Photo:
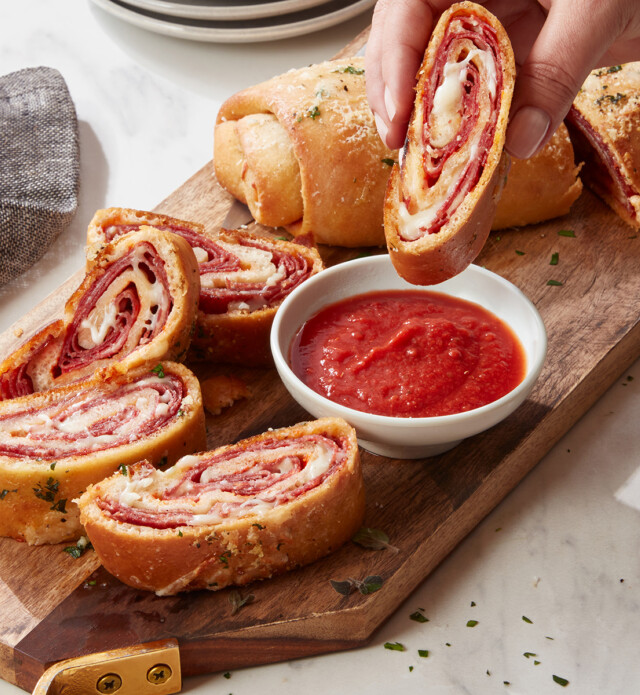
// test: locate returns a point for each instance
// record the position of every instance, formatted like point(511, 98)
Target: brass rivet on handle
point(160, 673)
point(109, 683)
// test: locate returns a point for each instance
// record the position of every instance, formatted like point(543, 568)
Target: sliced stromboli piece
point(239, 513)
point(441, 198)
point(244, 278)
point(303, 152)
point(54, 444)
point(604, 124)
point(136, 305)
point(541, 187)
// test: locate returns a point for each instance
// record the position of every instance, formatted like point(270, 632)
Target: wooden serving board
point(55, 607)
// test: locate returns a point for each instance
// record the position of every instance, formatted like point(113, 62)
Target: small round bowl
point(402, 437)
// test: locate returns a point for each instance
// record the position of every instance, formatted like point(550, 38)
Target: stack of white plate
point(234, 21)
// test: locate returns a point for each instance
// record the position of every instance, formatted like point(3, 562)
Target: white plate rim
point(270, 32)
point(225, 12)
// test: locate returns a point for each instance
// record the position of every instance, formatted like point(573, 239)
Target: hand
point(556, 44)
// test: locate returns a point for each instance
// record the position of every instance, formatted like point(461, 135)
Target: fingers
point(573, 39)
point(399, 34)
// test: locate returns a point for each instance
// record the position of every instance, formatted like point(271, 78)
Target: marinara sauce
point(408, 353)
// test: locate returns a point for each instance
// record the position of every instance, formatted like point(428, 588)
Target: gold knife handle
point(144, 669)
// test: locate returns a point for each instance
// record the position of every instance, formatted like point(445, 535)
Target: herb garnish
point(48, 492)
point(124, 469)
point(566, 232)
point(59, 506)
point(527, 620)
point(424, 653)
point(351, 70)
point(472, 623)
point(554, 283)
point(555, 257)
point(561, 681)
point(419, 617)
point(237, 600)
point(388, 161)
point(368, 585)
point(314, 112)
point(5, 492)
point(52, 465)
point(528, 655)
point(259, 526)
point(612, 98)
point(159, 371)
point(395, 646)
point(519, 253)
point(373, 539)
point(78, 550)
point(226, 675)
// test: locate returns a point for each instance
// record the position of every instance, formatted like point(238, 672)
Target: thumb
point(573, 38)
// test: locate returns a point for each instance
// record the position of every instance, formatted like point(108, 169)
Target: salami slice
point(442, 195)
point(136, 305)
point(54, 444)
point(233, 515)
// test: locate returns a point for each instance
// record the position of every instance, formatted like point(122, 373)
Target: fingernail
point(389, 103)
point(382, 128)
point(526, 131)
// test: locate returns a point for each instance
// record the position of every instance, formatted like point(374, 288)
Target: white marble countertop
point(562, 549)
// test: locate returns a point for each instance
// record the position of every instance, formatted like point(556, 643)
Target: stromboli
point(604, 124)
point(244, 278)
point(54, 444)
point(441, 198)
point(240, 513)
point(302, 150)
point(136, 305)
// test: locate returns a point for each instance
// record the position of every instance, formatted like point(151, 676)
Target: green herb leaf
point(419, 617)
point(410, 669)
point(260, 527)
point(554, 283)
point(614, 68)
point(395, 646)
point(472, 623)
point(124, 469)
point(59, 506)
point(528, 655)
point(48, 491)
point(473, 603)
point(159, 371)
point(554, 258)
point(527, 620)
point(237, 600)
point(351, 70)
point(226, 675)
point(536, 663)
point(314, 112)
point(370, 584)
point(373, 539)
point(388, 161)
point(561, 681)
point(78, 550)
point(566, 232)
point(5, 492)
point(519, 253)
point(52, 465)
point(424, 653)
point(344, 588)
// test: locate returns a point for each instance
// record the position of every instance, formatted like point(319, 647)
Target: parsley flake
point(561, 681)
point(395, 646)
point(555, 257)
point(314, 112)
point(419, 617)
point(472, 623)
point(424, 653)
point(351, 70)
point(567, 232)
point(388, 161)
point(374, 539)
point(554, 283)
point(527, 620)
point(159, 371)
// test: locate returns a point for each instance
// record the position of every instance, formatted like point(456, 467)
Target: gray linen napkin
point(39, 166)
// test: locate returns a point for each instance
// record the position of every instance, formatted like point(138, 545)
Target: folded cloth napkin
point(39, 166)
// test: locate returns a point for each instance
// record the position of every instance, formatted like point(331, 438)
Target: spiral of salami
point(233, 515)
point(441, 197)
point(54, 444)
point(244, 278)
point(136, 305)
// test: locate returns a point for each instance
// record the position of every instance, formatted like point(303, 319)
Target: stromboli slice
point(604, 124)
point(302, 150)
point(136, 305)
point(244, 278)
point(242, 512)
point(54, 444)
point(441, 198)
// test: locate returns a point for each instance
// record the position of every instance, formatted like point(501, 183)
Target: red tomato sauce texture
point(408, 353)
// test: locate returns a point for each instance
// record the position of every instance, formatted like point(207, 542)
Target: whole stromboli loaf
point(302, 150)
point(239, 513)
point(244, 278)
point(441, 198)
point(54, 444)
point(604, 123)
point(136, 305)
point(541, 187)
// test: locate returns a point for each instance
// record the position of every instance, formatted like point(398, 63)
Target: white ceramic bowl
point(401, 437)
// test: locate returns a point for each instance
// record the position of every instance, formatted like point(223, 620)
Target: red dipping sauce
point(408, 353)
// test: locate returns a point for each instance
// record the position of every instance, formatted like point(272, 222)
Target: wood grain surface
point(55, 607)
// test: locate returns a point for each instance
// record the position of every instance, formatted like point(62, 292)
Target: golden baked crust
point(238, 303)
point(136, 305)
point(604, 124)
point(216, 524)
point(54, 444)
point(437, 211)
point(541, 187)
point(302, 150)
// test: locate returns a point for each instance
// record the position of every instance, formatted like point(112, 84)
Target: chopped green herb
point(528, 655)
point(78, 550)
point(488, 672)
point(159, 371)
point(373, 539)
point(226, 675)
point(566, 232)
point(179, 533)
point(507, 682)
point(388, 161)
point(124, 469)
point(614, 68)
point(527, 620)
point(351, 70)
point(5, 492)
point(92, 582)
point(180, 412)
point(561, 681)
point(59, 506)
point(424, 653)
point(282, 238)
point(314, 112)
point(473, 603)
point(418, 617)
point(395, 646)
point(52, 465)
point(519, 253)
point(549, 638)
point(224, 558)
point(611, 98)
point(237, 600)
point(259, 526)
point(472, 623)
point(554, 283)
point(555, 257)
point(536, 663)
point(48, 492)
point(448, 644)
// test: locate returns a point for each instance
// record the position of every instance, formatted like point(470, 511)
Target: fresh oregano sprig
point(237, 600)
point(374, 539)
point(368, 585)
